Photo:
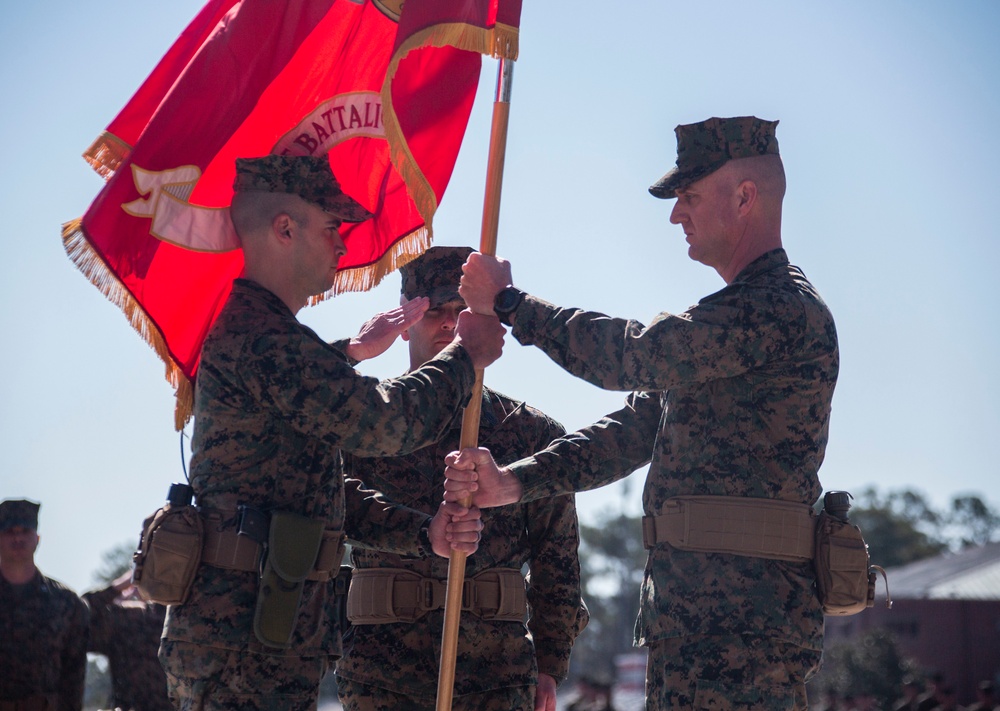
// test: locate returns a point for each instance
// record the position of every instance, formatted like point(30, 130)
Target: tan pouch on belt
point(293, 544)
point(844, 581)
point(164, 566)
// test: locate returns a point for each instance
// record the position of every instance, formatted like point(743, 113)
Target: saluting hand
point(381, 330)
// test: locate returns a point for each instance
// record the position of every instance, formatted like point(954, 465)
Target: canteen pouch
point(165, 564)
point(293, 545)
point(845, 583)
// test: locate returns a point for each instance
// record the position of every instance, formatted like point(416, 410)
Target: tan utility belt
point(378, 596)
point(760, 528)
point(227, 549)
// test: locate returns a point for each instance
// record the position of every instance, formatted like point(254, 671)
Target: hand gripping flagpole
point(470, 418)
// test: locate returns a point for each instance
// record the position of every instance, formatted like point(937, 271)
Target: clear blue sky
point(889, 130)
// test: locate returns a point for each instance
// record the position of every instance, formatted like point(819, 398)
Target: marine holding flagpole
point(274, 407)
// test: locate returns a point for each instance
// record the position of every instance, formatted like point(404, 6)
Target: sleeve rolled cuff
point(459, 359)
point(534, 483)
point(529, 318)
point(556, 666)
point(341, 345)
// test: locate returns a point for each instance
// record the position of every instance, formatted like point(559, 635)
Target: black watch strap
point(506, 302)
point(424, 540)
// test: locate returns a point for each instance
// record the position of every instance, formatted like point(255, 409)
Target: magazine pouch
point(293, 545)
point(164, 566)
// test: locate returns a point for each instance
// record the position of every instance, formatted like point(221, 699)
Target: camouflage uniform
point(128, 632)
point(274, 407)
point(43, 644)
point(494, 658)
point(732, 398)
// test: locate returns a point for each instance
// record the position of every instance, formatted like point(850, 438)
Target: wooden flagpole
point(470, 418)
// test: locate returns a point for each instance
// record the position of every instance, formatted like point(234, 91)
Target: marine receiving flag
point(253, 77)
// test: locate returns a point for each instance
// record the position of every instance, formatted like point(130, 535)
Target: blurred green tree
point(114, 562)
point(974, 521)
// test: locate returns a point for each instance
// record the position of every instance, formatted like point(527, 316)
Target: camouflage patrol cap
point(704, 147)
point(435, 274)
point(18, 512)
point(309, 177)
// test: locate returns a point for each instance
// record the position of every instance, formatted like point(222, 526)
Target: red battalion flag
point(303, 77)
point(437, 50)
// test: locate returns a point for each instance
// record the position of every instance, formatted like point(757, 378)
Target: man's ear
point(282, 225)
point(747, 195)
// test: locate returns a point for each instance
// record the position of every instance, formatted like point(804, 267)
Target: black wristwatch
point(506, 302)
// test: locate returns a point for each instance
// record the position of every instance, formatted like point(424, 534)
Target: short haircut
point(767, 172)
point(254, 211)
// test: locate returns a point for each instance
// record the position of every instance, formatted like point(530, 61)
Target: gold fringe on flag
point(88, 261)
point(505, 42)
point(501, 41)
point(106, 154)
point(405, 249)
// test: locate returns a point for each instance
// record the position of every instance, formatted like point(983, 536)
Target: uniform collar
point(250, 289)
point(764, 263)
point(36, 583)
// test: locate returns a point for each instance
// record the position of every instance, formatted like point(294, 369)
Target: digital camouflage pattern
point(356, 696)
point(434, 274)
point(274, 407)
point(404, 658)
point(704, 147)
point(226, 680)
point(128, 632)
point(309, 177)
point(18, 512)
point(712, 673)
point(43, 642)
point(733, 399)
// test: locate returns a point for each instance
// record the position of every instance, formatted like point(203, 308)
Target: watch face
point(507, 300)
